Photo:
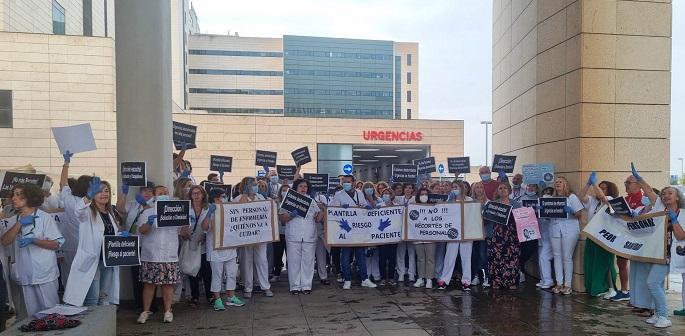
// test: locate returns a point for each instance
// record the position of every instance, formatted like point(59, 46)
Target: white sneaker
point(611, 293)
point(168, 317)
point(522, 277)
point(368, 283)
point(142, 318)
point(347, 285)
point(429, 284)
point(486, 282)
point(419, 283)
point(411, 278)
point(543, 285)
point(475, 281)
point(653, 319)
point(340, 279)
point(662, 322)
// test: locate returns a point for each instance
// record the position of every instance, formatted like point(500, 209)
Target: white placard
point(75, 139)
point(446, 222)
point(241, 224)
point(361, 227)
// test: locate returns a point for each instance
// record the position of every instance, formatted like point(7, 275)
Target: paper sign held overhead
point(227, 188)
point(184, 134)
point(459, 165)
point(301, 156)
point(75, 139)
point(425, 166)
point(134, 174)
point(333, 183)
point(503, 162)
point(220, 163)
point(265, 158)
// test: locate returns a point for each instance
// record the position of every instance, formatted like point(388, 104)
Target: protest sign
point(265, 158)
point(472, 220)
point(75, 139)
point(643, 238)
point(184, 134)
point(527, 226)
point(286, 172)
point(301, 156)
point(537, 172)
point(121, 251)
point(333, 183)
point(294, 201)
point(173, 213)
point(552, 207)
point(497, 212)
point(437, 198)
point(10, 179)
point(447, 222)
point(459, 165)
point(134, 174)
point(227, 188)
point(404, 173)
point(360, 227)
point(319, 182)
point(620, 207)
point(425, 166)
point(530, 203)
point(247, 223)
point(220, 163)
point(503, 163)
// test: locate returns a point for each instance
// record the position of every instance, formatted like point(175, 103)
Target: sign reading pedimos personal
point(404, 173)
point(220, 163)
point(301, 156)
point(552, 207)
point(425, 166)
point(265, 158)
point(11, 179)
point(121, 251)
point(286, 172)
point(297, 202)
point(133, 174)
point(319, 182)
point(497, 212)
point(503, 163)
point(184, 134)
point(173, 213)
point(459, 165)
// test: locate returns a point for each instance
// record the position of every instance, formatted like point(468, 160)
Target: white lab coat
point(87, 259)
point(69, 230)
point(300, 233)
point(253, 258)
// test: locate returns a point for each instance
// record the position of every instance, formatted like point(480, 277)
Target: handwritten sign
point(242, 224)
point(360, 227)
point(527, 227)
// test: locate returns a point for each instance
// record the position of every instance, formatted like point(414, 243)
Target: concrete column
point(143, 88)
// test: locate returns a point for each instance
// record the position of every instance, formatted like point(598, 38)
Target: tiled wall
point(35, 16)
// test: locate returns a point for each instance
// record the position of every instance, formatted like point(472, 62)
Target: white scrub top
point(302, 229)
point(342, 197)
point(221, 255)
point(70, 227)
point(559, 226)
point(160, 245)
point(36, 265)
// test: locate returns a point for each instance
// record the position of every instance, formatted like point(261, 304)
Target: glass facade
point(236, 91)
point(338, 78)
point(87, 17)
point(331, 158)
point(234, 72)
point(235, 53)
point(398, 87)
point(5, 109)
point(58, 23)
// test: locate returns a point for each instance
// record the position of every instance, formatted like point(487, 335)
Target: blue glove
point(185, 173)
point(645, 201)
point(151, 219)
point(124, 234)
point(184, 145)
point(542, 185)
point(141, 200)
point(368, 207)
point(294, 214)
point(221, 176)
point(569, 210)
point(23, 242)
point(673, 216)
point(67, 156)
point(124, 188)
point(378, 206)
point(266, 169)
point(94, 187)
point(345, 206)
point(635, 173)
point(502, 176)
point(211, 210)
point(26, 220)
point(593, 179)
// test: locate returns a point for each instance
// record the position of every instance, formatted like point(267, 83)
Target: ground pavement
point(400, 311)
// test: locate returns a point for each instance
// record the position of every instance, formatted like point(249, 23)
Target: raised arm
point(179, 158)
point(646, 188)
point(591, 182)
point(121, 198)
point(64, 175)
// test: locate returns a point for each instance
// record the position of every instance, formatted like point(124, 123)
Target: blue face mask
point(273, 179)
point(368, 191)
point(386, 198)
point(347, 186)
point(163, 197)
point(485, 177)
point(255, 189)
point(456, 192)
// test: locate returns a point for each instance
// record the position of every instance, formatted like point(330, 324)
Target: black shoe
point(307, 291)
point(325, 282)
point(258, 289)
point(294, 292)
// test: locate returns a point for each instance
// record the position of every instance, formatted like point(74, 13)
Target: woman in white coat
point(35, 238)
point(454, 249)
point(300, 237)
point(91, 283)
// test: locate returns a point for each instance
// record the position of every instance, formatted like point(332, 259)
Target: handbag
point(190, 257)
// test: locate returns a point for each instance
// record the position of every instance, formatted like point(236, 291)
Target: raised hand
point(141, 200)
point(592, 180)
point(185, 173)
point(151, 219)
point(94, 187)
point(635, 173)
point(124, 188)
point(67, 156)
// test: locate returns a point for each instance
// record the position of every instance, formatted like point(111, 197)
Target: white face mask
point(423, 198)
point(283, 194)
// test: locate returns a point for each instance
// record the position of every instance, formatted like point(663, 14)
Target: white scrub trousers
point(321, 258)
point(300, 264)
point(219, 270)
point(451, 252)
point(402, 249)
point(563, 248)
point(254, 258)
point(545, 255)
point(40, 297)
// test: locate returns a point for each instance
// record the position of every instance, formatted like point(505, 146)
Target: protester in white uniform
point(90, 282)
point(279, 246)
point(300, 235)
point(198, 213)
point(544, 244)
point(405, 249)
point(35, 238)
point(455, 249)
point(350, 197)
point(564, 233)
point(372, 265)
point(51, 201)
point(387, 253)
point(159, 259)
point(253, 257)
point(70, 195)
point(321, 249)
point(224, 262)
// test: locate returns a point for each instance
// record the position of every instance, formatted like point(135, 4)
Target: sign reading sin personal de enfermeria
point(242, 224)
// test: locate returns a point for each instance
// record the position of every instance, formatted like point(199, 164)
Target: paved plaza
point(407, 311)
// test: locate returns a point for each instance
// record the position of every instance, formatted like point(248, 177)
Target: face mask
point(645, 201)
point(163, 197)
point(224, 199)
point(456, 192)
point(531, 193)
point(386, 198)
point(273, 179)
point(347, 186)
point(255, 189)
point(368, 191)
point(516, 185)
point(186, 191)
point(283, 194)
point(485, 177)
point(423, 198)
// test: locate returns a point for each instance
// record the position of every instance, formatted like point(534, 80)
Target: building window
point(235, 53)
point(58, 23)
point(236, 91)
point(408, 96)
point(105, 18)
point(5, 109)
point(408, 113)
point(87, 17)
point(408, 77)
point(408, 59)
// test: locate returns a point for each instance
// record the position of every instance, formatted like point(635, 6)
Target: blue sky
point(455, 41)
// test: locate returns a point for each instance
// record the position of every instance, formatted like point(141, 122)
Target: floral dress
point(503, 254)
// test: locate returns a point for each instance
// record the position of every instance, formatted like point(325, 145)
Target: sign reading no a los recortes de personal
point(247, 223)
point(447, 222)
point(404, 173)
point(10, 179)
point(503, 163)
point(265, 158)
point(220, 163)
point(133, 174)
point(425, 166)
point(173, 213)
point(184, 134)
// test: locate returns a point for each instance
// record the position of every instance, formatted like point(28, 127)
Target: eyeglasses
point(627, 183)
